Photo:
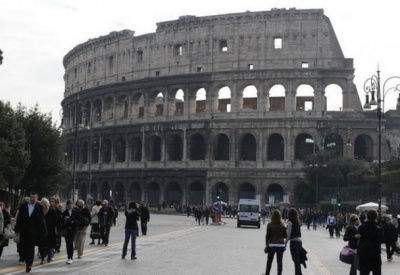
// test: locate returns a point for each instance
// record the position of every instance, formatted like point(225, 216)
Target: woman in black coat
point(53, 227)
point(7, 221)
point(70, 219)
point(390, 233)
point(351, 236)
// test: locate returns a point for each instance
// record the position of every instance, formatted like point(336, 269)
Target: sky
point(35, 35)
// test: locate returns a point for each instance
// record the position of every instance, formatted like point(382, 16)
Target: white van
point(249, 212)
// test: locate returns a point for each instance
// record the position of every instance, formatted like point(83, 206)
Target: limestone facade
point(175, 115)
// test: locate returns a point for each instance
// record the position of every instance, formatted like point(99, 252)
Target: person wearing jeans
point(275, 241)
point(132, 215)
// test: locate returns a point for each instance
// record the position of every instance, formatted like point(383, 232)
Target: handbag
point(347, 255)
point(9, 232)
point(266, 249)
point(397, 248)
point(16, 238)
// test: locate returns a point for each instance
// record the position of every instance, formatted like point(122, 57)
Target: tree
point(14, 158)
point(45, 173)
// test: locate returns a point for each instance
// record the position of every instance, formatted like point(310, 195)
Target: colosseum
point(226, 103)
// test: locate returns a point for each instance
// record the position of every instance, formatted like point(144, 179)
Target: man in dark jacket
point(31, 227)
point(106, 218)
point(390, 233)
point(369, 248)
point(144, 217)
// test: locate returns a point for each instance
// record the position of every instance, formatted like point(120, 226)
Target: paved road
point(177, 245)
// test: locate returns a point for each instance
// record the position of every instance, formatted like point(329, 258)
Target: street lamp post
point(311, 141)
point(372, 85)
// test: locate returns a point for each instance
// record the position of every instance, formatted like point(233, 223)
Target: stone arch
point(137, 105)
point(276, 147)
point(179, 102)
point(154, 148)
point(196, 194)
point(277, 98)
point(173, 193)
point(120, 146)
point(274, 193)
point(108, 108)
point(221, 147)
point(250, 97)
point(334, 97)
point(118, 194)
point(136, 149)
point(106, 151)
point(246, 191)
point(223, 190)
point(224, 99)
point(97, 110)
point(305, 95)
point(201, 96)
point(334, 141)
point(105, 191)
point(153, 193)
point(197, 147)
point(248, 147)
point(155, 103)
point(175, 147)
point(122, 107)
point(135, 192)
point(363, 148)
point(303, 148)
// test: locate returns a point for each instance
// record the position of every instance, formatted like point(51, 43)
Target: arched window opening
point(248, 148)
point(223, 190)
point(201, 100)
point(95, 151)
point(174, 194)
point(138, 105)
point(106, 152)
point(247, 191)
point(363, 146)
point(276, 148)
point(196, 193)
point(105, 191)
point(334, 98)
point(135, 192)
point(305, 98)
point(153, 193)
point(175, 148)
point(274, 194)
point(277, 98)
point(154, 149)
point(85, 150)
point(160, 104)
point(224, 99)
point(136, 149)
point(222, 147)
point(179, 100)
point(304, 147)
point(108, 109)
point(250, 98)
point(120, 150)
point(118, 193)
point(97, 115)
point(197, 148)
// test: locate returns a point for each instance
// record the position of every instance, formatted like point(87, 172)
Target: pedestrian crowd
point(363, 232)
point(43, 224)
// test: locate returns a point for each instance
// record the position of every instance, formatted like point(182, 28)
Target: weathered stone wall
point(145, 143)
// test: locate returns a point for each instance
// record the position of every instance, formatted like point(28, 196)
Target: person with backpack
point(106, 218)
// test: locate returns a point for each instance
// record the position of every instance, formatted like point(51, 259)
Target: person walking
point(53, 227)
point(106, 217)
point(369, 247)
point(390, 233)
point(31, 226)
point(144, 217)
point(70, 218)
point(351, 236)
point(132, 215)
point(5, 220)
point(294, 236)
point(56, 206)
point(84, 222)
point(331, 223)
point(95, 226)
point(275, 241)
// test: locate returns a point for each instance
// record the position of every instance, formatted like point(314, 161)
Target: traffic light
point(218, 194)
point(338, 202)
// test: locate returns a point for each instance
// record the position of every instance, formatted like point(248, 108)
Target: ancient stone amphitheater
point(227, 103)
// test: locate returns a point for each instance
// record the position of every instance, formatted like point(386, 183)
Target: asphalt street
point(176, 244)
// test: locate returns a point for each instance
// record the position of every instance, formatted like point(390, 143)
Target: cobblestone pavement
point(178, 245)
